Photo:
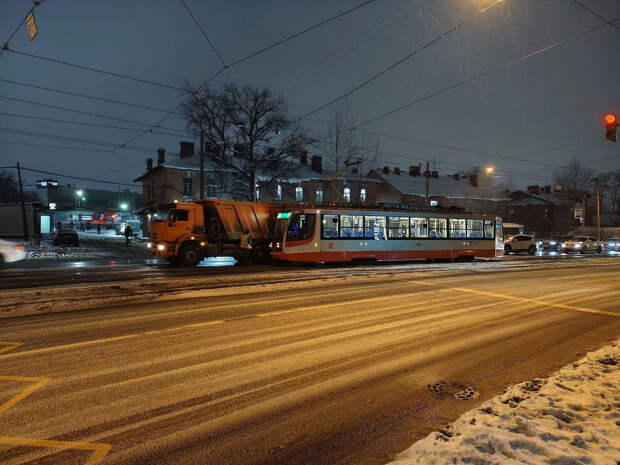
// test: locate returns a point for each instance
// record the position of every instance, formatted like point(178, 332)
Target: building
point(176, 177)
point(469, 192)
point(542, 211)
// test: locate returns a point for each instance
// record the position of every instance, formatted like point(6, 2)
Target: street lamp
point(489, 170)
point(123, 206)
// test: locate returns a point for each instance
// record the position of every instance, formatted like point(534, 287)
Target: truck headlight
point(161, 247)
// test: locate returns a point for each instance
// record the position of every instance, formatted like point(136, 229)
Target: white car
point(582, 244)
point(10, 252)
point(520, 243)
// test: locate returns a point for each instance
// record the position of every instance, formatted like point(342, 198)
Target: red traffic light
point(610, 118)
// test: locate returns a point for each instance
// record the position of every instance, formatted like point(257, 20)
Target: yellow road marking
point(38, 384)
point(99, 449)
point(537, 301)
point(9, 346)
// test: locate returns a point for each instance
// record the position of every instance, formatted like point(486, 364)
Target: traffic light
point(611, 125)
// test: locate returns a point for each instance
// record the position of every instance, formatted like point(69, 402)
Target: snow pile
point(572, 418)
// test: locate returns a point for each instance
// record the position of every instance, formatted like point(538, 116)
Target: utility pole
point(202, 163)
point(598, 210)
point(21, 195)
point(428, 176)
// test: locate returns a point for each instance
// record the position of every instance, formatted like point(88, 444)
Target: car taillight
point(19, 247)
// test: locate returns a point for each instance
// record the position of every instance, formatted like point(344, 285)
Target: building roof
point(542, 198)
point(298, 172)
point(442, 186)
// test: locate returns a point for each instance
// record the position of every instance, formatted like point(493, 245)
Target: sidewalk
point(571, 418)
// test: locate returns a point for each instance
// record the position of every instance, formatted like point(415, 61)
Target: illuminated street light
point(79, 193)
point(123, 206)
point(489, 170)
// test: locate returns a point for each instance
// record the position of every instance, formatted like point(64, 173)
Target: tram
point(336, 234)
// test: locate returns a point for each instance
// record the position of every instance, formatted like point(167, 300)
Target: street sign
point(31, 25)
point(47, 183)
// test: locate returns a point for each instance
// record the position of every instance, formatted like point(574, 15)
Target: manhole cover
point(452, 390)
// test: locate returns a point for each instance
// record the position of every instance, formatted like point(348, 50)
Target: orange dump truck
point(185, 233)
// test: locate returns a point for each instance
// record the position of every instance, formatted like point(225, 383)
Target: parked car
point(582, 244)
point(520, 243)
point(552, 243)
point(10, 252)
point(66, 237)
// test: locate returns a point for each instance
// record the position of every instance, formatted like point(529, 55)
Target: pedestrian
point(128, 234)
point(98, 228)
point(81, 226)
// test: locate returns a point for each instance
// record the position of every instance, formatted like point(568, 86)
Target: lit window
point(474, 229)
point(458, 228)
point(399, 227)
point(319, 195)
point(299, 194)
point(347, 194)
point(351, 226)
point(363, 195)
point(437, 228)
point(418, 227)
point(375, 227)
point(188, 187)
point(279, 192)
point(257, 192)
point(468, 207)
point(434, 203)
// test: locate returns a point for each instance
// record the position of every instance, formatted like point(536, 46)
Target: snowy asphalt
point(313, 366)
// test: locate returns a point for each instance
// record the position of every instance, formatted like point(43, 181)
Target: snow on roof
point(442, 186)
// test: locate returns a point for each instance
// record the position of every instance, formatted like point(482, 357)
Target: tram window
point(351, 226)
point(330, 226)
point(488, 229)
point(457, 228)
point(437, 228)
point(419, 227)
point(300, 227)
point(474, 229)
point(374, 227)
point(399, 227)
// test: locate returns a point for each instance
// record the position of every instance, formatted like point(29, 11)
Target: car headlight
point(149, 245)
point(578, 246)
point(161, 247)
point(552, 243)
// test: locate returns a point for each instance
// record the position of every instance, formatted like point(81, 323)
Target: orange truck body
point(212, 228)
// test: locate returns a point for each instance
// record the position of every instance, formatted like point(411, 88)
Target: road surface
point(329, 370)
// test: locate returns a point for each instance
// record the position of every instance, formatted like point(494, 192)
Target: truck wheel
point(260, 254)
point(190, 255)
point(531, 250)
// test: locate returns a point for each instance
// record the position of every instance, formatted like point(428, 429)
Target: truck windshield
point(159, 216)
point(301, 226)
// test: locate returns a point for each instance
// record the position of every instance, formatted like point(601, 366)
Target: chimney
point(316, 162)
point(386, 170)
point(161, 156)
point(303, 157)
point(435, 174)
point(149, 164)
point(397, 170)
point(547, 189)
point(473, 180)
point(414, 170)
point(456, 176)
point(533, 189)
point(186, 149)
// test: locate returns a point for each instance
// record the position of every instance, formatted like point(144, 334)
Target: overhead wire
point(204, 34)
point(98, 115)
point(397, 63)
point(63, 147)
point(95, 125)
point(88, 96)
point(598, 15)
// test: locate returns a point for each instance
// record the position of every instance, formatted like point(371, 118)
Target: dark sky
point(547, 108)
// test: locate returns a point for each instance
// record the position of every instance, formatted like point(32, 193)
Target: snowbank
point(572, 418)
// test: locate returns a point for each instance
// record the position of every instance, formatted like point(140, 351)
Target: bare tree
point(575, 176)
point(346, 146)
point(614, 191)
point(247, 131)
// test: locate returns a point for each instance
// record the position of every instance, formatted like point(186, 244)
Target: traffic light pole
point(598, 210)
point(21, 196)
point(202, 164)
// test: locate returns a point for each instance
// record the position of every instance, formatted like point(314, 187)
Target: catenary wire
point(598, 15)
point(204, 33)
point(5, 46)
point(424, 46)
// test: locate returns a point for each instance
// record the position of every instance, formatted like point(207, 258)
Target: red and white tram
point(344, 234)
